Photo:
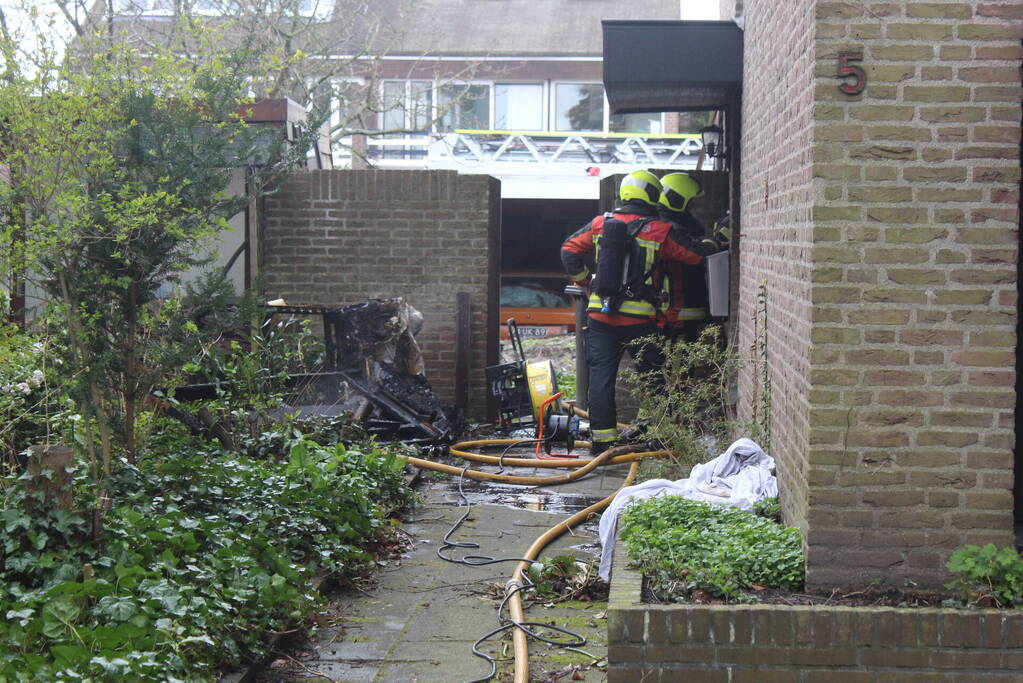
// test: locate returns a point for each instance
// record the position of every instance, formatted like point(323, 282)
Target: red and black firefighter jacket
point(660, 241)
point(686, 285)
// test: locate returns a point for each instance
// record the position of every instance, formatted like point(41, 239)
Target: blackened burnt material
point(375, 373)
point(381, 330)
point(377, 354)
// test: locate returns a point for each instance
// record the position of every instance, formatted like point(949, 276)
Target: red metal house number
point(847, 69)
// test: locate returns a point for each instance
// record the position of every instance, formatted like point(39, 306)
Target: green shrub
point(768, 508)
point(684, 401)
point(198, 559)
point(251, 375)
point(988, 573)
point(31, 409)
point(684, 545)
point(325, 430)
point(566, 384)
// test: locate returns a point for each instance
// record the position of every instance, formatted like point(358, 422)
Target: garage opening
point(532, 278)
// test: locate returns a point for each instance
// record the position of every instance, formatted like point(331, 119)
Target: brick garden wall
point(763, 643)
point(339, 237)
point(886, 226)
point(804, 644)
point(776, 228)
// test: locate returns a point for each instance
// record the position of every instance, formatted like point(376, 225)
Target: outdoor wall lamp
point(712, 141)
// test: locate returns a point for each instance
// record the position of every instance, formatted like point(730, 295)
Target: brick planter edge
point(804, 644)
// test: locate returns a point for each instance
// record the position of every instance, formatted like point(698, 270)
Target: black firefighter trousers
point(605, 345)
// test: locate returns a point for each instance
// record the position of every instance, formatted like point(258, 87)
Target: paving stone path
point(419, 622)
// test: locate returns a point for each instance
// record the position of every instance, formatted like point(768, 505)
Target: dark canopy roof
point(671, 65)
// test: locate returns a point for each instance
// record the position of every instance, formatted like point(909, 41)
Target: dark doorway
point(532, 231)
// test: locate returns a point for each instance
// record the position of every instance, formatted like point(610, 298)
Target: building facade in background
point(511, 89)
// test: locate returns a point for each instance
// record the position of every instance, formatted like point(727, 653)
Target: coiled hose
point(581, 467)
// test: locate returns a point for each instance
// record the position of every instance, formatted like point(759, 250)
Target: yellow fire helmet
point(641, 185)
point(679, 188)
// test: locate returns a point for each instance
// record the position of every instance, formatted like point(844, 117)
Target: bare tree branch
point(72, 17)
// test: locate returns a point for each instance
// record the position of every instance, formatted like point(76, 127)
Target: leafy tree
point(118, 165)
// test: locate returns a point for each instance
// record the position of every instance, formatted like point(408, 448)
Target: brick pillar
point(776, 202)
point(893, 352)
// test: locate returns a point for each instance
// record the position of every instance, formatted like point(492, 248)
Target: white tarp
point(740, 476)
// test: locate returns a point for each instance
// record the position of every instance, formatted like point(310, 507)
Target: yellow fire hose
point(459, 450)
point(581, 466)
point(519, 641)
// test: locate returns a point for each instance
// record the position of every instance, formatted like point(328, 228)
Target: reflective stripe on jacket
point(660, 242)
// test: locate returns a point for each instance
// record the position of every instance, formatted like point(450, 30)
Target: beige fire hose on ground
point(582, 467)
point(519, 641)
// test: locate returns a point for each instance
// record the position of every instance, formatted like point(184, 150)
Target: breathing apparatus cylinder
point(612, 262)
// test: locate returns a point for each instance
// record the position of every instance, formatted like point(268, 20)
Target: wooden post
point(582, 369)
point(56, 486)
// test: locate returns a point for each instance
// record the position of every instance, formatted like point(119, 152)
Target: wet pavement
point(420, 620)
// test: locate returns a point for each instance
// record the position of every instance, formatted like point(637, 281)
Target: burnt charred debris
point(373, 372)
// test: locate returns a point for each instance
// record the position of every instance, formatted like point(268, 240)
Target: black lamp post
point(712, 141)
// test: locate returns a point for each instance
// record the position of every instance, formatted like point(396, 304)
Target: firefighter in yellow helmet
point(622, 250)
point(686, 307)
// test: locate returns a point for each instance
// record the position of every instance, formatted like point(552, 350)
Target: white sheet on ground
point(740, 476)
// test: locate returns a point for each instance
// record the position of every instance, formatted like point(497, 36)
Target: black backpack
point(620, 264)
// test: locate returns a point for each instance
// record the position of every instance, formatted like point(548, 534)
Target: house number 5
point(847, 69)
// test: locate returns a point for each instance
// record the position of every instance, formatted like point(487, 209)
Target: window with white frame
point(463, 106)
point(426, 106)
point(344, 98)
point(579, 107)
point(641, 124)
point(518, 106)
point(406, 105)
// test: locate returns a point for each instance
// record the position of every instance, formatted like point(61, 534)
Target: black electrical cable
point(470, 560)
point(480, 560)
point(475, 560)
point(509, 623)
point(500, 459)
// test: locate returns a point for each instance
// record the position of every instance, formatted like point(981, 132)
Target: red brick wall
point(815, 644)
point(764, 643)
point(340, 237)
